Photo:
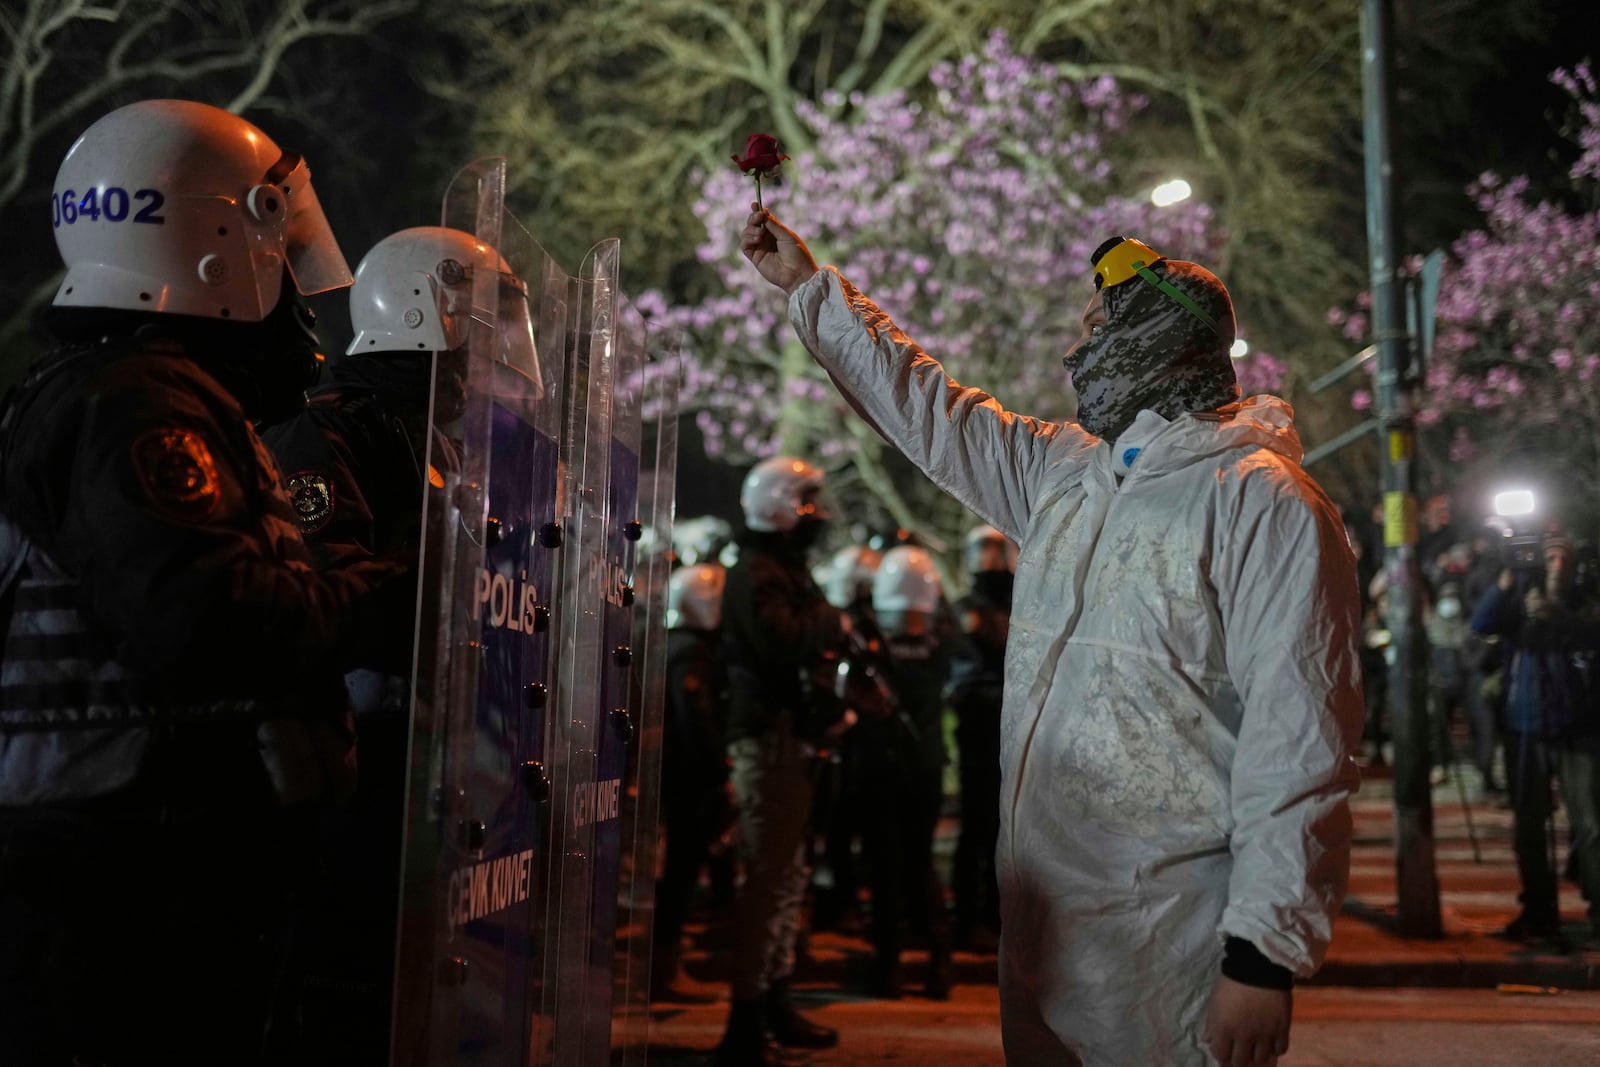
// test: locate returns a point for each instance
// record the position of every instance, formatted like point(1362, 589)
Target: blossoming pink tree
point(968, 214)
point(1516, 360)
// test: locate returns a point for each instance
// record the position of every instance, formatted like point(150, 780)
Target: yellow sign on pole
point(1399, 520)
point(1399, 446)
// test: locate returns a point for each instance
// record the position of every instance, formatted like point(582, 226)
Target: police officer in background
point(354, 464)
point(171, 707)
point(694, 767)
point(846, 580)
point(903, 759)
point(977, 680)
point(777, 629)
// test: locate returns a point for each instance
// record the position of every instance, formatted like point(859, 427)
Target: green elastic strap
point(1177, 294)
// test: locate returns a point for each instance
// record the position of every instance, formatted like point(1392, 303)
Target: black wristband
point(1244, 963)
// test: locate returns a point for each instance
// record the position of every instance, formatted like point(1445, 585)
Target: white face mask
point(1449, 608)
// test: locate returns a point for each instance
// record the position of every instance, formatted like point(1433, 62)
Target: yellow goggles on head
point(1122, 259)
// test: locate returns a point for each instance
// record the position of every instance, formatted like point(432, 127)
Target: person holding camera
point(1552, 729)
point(777, 629)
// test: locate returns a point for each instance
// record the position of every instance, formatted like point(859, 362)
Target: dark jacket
point(776, 624)
point(692, 750)
point(1548, 692)
point(914, 737)
point(978, 656)
point(159, 585)
point(353, 461)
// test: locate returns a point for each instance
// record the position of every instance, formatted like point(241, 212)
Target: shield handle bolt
point(536, 781)
point(494, 531)
point(534, 695)
point(550, 535)
point(622, 655)
point(472, 834)
point(624, 723)
point(632, 530)
point(627, 596)
point(541, 619)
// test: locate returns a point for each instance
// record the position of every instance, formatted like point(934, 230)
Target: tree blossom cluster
point(967, 213)
point(1518, 334)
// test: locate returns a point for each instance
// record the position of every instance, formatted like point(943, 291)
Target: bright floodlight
point(1240, 349)
point(1168, 193)
point(1516, 502)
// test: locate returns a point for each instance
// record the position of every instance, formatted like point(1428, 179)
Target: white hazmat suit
point(1182, 692)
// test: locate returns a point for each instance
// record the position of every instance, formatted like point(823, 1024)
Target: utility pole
point(1415, 875)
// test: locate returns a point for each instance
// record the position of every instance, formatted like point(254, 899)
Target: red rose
point(761, 155)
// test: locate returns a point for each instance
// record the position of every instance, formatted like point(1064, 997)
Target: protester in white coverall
point(1182, 685)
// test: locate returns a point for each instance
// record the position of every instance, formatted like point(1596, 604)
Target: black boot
point(938, 984)
point(746, 1042)
point(884, 977)
point(789, 1027)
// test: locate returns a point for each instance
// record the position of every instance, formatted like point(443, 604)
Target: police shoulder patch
point(312, 496)
point(178, 473)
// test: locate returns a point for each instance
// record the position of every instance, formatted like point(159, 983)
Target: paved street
point(1468, 999)
point(1334, 1027)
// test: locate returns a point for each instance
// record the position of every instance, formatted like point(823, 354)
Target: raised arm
point(990, 459)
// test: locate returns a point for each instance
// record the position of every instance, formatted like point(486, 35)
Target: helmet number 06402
point(111, 203)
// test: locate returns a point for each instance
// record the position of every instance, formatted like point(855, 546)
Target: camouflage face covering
point(1154, 353)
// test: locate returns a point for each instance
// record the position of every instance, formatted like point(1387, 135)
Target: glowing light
point(1514, 502)
point(1240, 349)
point(1168, 193)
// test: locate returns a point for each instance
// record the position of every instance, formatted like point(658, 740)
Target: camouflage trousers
point(774, 781)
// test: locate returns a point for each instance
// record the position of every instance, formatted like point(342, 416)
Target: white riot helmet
point(700, 539)
point(848, 575)
point(177, 207)
point(979, 539)
point(778, 492)
point(694, 597)
point(413, 292)
point(906, 581)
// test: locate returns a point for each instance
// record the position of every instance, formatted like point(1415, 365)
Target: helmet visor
point(315, 261)
point(514, 330)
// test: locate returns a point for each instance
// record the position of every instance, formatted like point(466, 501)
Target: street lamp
point(1168, 193)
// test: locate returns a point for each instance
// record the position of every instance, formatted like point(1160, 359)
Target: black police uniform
point(694, 774)
point(353, 465)
point(976, 690)
point(777, 627)
point(903, 761)
point(170, 704)
point(353, 460)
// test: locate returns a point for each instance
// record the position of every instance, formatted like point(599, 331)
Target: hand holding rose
point(777, 251)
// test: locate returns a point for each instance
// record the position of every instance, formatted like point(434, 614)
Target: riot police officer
point(354, 459)
point(977, 679)
point(170, 696)
point(354, 465)
point(846, 580)
point(777, 628)
point(903, 760)
point(694, 768)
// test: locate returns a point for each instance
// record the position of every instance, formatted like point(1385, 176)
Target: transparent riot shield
point(478, 830)
point(657, 383)
point(591, 677)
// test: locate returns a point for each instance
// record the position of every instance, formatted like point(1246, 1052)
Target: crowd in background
point(1511, 616)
